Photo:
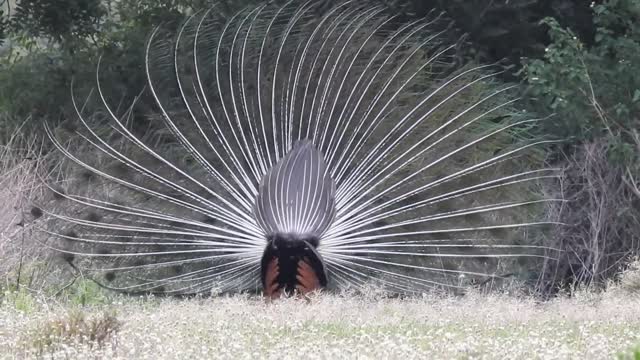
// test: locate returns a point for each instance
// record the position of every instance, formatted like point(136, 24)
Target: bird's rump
point(297, 194)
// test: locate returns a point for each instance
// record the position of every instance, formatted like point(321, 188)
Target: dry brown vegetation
point(20, 167)
point(602, 215)
point(74, 329)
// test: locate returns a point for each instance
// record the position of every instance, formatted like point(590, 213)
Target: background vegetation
point(576, 60)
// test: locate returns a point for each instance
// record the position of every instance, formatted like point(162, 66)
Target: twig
point(20, 263)
point(67, 285)
point(631, 183)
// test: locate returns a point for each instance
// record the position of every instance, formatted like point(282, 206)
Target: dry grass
point(20, 164)
point(74, 329)
point(630, 278)
point(586, 326)
point(24, 260)
point(603, 217)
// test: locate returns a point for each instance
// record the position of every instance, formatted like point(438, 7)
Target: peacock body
point(296, 147)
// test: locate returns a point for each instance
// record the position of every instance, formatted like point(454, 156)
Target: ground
point(586, 326)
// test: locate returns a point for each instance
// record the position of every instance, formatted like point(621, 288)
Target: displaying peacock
point(299, 147)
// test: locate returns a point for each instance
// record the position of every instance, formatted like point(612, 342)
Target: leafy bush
point(53, 43)
point(3, 25)
point(594, 91)
point(61, 20)
point(506, 29)
point(595, 94)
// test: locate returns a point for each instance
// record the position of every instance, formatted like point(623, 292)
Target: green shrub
point(595, 94)
point(21, 300)
point(594, 91)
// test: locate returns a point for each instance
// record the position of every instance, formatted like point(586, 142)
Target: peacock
point(299, 147)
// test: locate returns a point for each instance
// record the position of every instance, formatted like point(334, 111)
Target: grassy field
point(586, 326)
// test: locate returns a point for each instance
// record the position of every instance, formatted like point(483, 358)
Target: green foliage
point(21, 300)
point(595, 91)
point(55, 43)
point(633, 354)
point(33, 85)
point(506, 29)
point(85, 292)
point(3, 24)
point(151, 13)
point(60, 20)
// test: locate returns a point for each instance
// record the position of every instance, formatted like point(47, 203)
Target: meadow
point(340, 326)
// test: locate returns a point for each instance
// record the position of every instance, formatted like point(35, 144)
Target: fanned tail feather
point(358, 139)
